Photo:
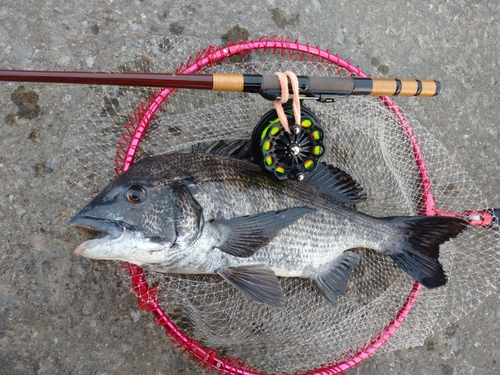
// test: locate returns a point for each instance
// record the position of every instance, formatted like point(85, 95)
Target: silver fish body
point(203, 213)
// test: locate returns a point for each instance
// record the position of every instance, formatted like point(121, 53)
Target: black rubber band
point(398, 87)
point(438, 87)
point(419, 88)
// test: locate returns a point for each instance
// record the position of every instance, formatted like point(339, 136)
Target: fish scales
point(229, 188)
point(311, 242)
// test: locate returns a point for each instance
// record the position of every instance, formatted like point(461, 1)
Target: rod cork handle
point(331, 87)
point(403, 87)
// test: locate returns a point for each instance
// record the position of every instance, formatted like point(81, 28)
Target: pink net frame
point(147, 296)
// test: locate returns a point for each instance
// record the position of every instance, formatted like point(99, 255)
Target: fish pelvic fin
point(257, 282)
point(333, 281)
point(243, 236)
point(419, 253)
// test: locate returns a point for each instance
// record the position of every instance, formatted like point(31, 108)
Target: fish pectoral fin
point(257, 282)
point(333, 282)
point(336, 183)
point(243, 236)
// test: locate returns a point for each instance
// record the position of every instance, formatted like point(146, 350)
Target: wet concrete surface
point(61, 314)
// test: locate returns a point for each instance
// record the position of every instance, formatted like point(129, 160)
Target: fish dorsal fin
point(336, 183)
point(257, 282)
point(329, 179)
point(333, 281)
point(243, 236)
point(240, 149)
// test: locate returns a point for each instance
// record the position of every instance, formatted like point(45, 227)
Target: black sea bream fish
point(204, 213)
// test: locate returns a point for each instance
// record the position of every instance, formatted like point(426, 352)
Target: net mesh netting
point(366, 140)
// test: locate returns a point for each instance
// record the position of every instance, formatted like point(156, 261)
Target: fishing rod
point(287, 142)
point(324, 89)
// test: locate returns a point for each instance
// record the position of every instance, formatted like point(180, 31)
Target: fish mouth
point(114, 240)
point(97, 228)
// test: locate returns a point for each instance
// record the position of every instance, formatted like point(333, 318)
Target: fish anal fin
point(257, 282)
point(243, 236)
point(333, 281)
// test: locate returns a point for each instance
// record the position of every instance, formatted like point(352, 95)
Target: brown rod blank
point(201, 82)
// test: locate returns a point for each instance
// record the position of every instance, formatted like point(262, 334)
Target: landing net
point(402, 168)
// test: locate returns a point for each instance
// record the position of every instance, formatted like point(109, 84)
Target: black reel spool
point(288, 155)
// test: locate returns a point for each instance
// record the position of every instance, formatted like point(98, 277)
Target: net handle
point(147, 296)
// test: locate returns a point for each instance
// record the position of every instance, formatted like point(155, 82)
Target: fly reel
point(288, 155)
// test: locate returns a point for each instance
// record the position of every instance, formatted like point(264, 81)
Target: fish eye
point(135, 194)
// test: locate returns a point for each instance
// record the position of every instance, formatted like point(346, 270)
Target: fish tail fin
point(419, 252)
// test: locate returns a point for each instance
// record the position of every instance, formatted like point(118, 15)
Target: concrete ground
point(60, 314)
